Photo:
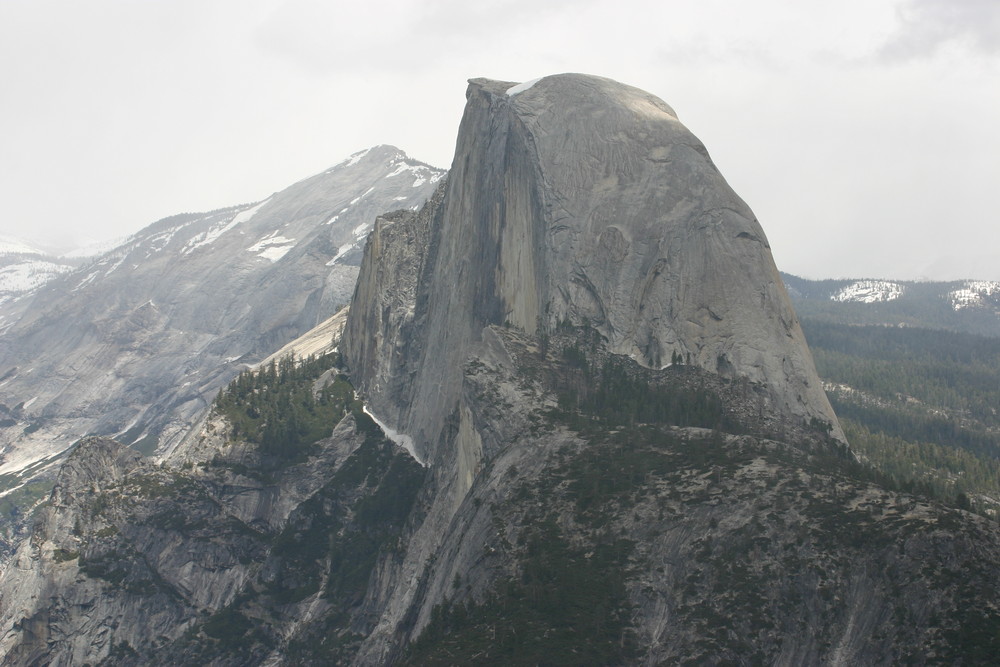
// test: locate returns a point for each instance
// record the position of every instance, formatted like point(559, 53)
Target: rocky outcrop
point(134, 563)
point(653, 544)
point(581, 200)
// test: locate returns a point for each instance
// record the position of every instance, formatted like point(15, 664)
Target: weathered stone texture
point(585, 200)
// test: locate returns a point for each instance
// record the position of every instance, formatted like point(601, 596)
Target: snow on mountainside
point(26, 275)
point(136, 342)
point(971, 306)
point(869, 291)
point(421, 174)
point(973, 294)
point(24, 267)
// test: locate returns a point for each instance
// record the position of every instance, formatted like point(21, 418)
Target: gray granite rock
point(581, 199)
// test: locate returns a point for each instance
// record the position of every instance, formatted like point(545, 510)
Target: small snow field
point(26, 276)
point(973, 294)
point(521, 87)
point(213, 234)
point(401, 439)
point(272, 247)
point(869, 291)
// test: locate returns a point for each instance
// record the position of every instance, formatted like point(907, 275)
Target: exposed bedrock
point(577, 199)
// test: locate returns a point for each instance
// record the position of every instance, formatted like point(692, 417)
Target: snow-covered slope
point(869, 291)
point(975, 294)
point(136, 342)
point(24, 267)
point(24, 274)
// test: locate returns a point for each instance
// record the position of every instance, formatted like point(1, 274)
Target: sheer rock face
point(380, 335)
point(578, 198)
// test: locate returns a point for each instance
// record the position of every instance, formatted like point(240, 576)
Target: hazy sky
point(865, 134)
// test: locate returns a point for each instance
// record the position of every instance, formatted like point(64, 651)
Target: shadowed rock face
point(581, 199)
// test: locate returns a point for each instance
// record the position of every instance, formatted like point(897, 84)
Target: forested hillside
point(921, 405)
point(969, 306)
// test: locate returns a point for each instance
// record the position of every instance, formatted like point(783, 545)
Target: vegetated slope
point(136, 343)
point(262, 537)
point(920, 404)
point(610, 540)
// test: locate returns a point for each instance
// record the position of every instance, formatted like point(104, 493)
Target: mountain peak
point(583, 200)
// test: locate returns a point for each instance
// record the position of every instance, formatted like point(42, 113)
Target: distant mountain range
point(969, 306)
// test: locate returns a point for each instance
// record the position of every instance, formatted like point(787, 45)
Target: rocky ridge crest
point(136, 343)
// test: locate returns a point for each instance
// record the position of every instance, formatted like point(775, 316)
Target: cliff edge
point(578, 200)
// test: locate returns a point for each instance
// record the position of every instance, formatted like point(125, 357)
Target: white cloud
point(926, 26)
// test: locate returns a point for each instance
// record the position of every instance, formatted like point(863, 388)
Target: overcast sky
point(865, 134)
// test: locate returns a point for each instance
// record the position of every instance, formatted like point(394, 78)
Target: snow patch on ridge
point(214, 233)
point(272, 247)
point(354, 159)
point(869, 291)
point(973, 294)
point(275, 253)
point(341, 251)
point(421, 173)
point(161, 241)
point(360, 197)
point(244, 216)
point(521, 87)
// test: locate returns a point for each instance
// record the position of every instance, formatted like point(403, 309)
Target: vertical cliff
point(577, 199)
